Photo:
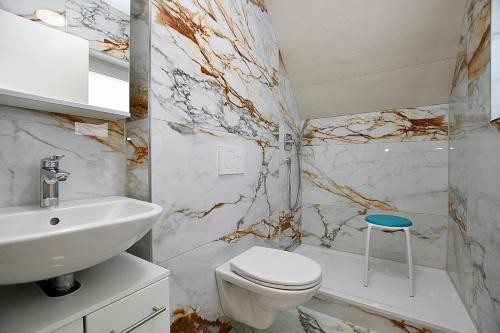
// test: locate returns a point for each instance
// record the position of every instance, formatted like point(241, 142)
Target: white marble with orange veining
point(216, 78)
point(96, 164)
point(303, 319)
point(393, 162)
point(410, 177)
point(474, 229)
point(212, 69)
point(201, 206)
point(105, 27)
point(396, 125)
point(343, 228)
point(137, 152)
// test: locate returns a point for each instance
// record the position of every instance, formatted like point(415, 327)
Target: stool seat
point(390, 221)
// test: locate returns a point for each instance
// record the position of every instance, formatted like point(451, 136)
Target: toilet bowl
point(255, 286)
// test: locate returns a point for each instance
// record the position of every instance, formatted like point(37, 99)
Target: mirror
point(69, 50)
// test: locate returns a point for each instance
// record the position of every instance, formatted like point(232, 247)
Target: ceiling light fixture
point(50, 17)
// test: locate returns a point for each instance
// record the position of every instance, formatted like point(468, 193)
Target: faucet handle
point(51, 161)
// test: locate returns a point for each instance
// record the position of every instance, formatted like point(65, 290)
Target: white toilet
point(255, 286)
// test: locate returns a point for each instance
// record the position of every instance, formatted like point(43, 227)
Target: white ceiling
point(354, 56)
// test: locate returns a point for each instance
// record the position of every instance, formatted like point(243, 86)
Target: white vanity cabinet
point(73, 327)
point(145, 311)
point(122, 295)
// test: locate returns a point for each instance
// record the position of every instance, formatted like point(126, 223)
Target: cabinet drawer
point(145, 311)
point(74, 327)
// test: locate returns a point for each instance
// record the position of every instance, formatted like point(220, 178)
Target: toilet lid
point(276, 268)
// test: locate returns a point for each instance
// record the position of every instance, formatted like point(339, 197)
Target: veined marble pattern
point(201, 206)
point(365, 317)
point(291, 119)
point(106, 28)
point(306, 320)
point(343, 228)
point(398, 125)
point(372, 163)
point(408, 176)
point(216, 79)
point(473, 245)
point(194, 299)
point(290, 217)
point(137, 126)
point(96, 164)
point(139, 59)
point(215, 65)
point(474, 229)
point(137, 152)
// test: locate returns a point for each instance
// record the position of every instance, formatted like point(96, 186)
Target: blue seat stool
point(389, 222)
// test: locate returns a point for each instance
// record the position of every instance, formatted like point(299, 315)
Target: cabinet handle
point(156, 311)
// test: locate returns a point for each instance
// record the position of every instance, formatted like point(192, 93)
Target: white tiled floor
point(436, 301)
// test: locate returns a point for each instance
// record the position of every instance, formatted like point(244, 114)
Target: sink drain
point(59, 286)
point(54, 221)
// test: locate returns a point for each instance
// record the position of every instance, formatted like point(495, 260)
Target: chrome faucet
point(50, 176)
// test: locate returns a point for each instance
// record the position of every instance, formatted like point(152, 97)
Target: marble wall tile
point(409, 176)
point(96, 164)
point(365, 317)
point(194, 298)
point(139, 59)
point(473, 248)
point(343, 228)
point(287, 104)
point(202, 206)
point(394, 162)
point(306, 320)
point(105, 27)
point(137, 183)
point(137, 153)
point(137, 126)
point(290, 228)
point(473, 240)
point(398, 125)
point(209, 68)
point(290, 210)
point(494, 53)
point(217, 79)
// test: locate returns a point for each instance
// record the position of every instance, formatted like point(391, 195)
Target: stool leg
point(367, 254)
point(410, 260)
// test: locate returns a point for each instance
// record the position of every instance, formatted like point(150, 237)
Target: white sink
point(82, 234)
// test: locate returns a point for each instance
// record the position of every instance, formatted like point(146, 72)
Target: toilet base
point(244, 306)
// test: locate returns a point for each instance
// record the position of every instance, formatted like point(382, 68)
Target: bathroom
point(192, 166)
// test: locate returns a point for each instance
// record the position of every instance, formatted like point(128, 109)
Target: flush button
point(231, 160)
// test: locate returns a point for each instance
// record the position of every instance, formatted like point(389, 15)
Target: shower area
point(208, 77)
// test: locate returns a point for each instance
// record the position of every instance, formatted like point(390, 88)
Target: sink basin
point(41, 243)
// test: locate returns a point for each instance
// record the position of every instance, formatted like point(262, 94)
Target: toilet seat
point(276, 269)
point(279, 286)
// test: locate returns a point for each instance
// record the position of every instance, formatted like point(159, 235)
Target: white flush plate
point(231, 160)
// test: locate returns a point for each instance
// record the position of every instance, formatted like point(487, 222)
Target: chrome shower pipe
point(289, 142)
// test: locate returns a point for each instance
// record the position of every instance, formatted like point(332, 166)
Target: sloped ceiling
point(354, 56)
